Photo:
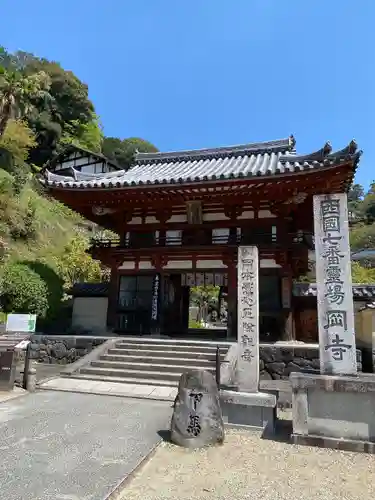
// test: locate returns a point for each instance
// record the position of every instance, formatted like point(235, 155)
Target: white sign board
point(334, 285)
point(248, 319)
point(24, 323)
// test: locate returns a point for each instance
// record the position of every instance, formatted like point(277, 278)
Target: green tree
point(123, 151)
point(362, 274)
point(356, 192)
point(362, 236)
point(17, 93)
point(23, 291)
point(85, 135)
point(76, 266)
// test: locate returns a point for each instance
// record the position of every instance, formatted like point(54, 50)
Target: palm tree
point(18, 92)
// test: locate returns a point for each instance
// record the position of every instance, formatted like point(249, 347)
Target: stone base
point(335, 444)
point(251, 410)
point(334, 411)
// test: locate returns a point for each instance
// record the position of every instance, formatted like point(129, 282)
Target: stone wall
point(62, 350)
point(278, 361)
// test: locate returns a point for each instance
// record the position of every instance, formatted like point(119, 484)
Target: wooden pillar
point(286, 298)
point(232, 299)
point(113, 298)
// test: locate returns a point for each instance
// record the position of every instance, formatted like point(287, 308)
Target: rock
point(197, 419)
point(267, 354)
point(265, 376)
point(315, 363)
point(292, 367)
point(58, 350)
point(276, 367)
point(305, 363)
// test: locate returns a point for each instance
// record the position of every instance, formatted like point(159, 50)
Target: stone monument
point(247, 406)
point(197, 420)
point(334, 408)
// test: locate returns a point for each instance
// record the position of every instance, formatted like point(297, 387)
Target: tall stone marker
point(248, 319)
point(334, 285)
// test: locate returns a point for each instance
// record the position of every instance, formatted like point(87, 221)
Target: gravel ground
point(248, 467)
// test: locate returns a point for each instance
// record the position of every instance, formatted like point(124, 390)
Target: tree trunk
point(4, 118)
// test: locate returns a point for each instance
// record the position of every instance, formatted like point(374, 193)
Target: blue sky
point(205, 73)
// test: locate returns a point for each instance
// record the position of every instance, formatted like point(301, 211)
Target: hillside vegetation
point(44, 108)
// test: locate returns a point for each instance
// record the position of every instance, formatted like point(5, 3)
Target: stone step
point(151, 376)
point(167, 342)
point(125, 380)
point(165, 353)
point(166, 360)
point(174, 347)
point(151, 367)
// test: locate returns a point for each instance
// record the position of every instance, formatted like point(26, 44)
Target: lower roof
point(265, 160)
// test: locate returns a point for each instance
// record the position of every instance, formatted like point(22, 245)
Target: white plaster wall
point(268, 263)
point(214, 217)
point(90, 313)
point(178, 218)
point(135, 220)
point(145, 264)
point(247, 214)
point(179, 264)
point(265, 214)
point(210, 264)
point(127, 265)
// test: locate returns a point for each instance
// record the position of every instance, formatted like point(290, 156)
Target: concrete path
point(158, 393)
point(8, 395)
point(64, 446)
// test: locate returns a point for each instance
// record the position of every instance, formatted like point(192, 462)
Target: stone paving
point(159, 393)
point(15, 393)
point(65, 446)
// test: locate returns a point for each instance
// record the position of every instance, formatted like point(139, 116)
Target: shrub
point(23, 291)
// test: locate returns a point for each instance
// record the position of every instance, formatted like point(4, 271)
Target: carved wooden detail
point(163, 215)
point(194, 212)
point(159, 261)
point(232, 211)
point(306, 321)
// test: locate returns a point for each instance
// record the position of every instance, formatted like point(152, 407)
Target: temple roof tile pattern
point(364, 292)
point(247, 161)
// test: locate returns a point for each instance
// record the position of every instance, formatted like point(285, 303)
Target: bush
point(23, 291)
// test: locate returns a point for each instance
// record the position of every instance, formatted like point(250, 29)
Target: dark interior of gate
point(175, 313)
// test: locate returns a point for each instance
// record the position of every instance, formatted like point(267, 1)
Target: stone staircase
point(152, 361)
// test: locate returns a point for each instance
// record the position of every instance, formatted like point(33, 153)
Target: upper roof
point(364, 292)
point(265, 159)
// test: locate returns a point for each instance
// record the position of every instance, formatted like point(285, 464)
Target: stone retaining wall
point(62, 350)
point(278, 361)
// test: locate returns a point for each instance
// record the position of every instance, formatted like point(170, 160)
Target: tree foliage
point(23, 291)
point(123, 151)
point(19, 94)
point(76, 266)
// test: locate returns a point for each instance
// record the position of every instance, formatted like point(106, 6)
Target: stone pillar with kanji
point(334, 285)
point(248, 319)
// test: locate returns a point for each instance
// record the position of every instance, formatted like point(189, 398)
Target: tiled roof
point(364, 292)
point(90, 290)
point(238, 162)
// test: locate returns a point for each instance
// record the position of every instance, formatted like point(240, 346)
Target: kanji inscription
point(334, 285)
point(248, 319)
